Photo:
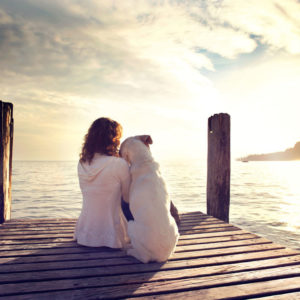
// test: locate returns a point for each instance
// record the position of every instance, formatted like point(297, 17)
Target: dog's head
point(135, 147)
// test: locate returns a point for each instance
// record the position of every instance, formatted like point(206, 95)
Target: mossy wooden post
point(218, 167)
point(6, 137)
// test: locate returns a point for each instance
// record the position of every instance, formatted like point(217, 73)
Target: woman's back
point(101, 222)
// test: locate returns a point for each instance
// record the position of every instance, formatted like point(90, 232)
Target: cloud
point(108, 50)
point(60, 38)
point(108, 43)
point(274, 23)
point(136, 61)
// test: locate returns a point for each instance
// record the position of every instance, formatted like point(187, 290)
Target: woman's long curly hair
point(103, 137)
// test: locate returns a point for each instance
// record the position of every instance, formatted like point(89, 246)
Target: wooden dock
point(213, 260)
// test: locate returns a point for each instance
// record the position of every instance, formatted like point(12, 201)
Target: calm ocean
point(265, 196)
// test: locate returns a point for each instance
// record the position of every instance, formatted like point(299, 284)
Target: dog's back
point(153, 232)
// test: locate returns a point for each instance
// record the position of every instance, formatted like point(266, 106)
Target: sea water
point(265, 196)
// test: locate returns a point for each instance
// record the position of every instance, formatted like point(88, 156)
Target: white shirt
point(102, 183)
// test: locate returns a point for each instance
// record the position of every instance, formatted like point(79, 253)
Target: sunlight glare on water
point(265, 199)
point(288, 173)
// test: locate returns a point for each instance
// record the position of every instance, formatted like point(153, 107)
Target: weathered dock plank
point(213, 260)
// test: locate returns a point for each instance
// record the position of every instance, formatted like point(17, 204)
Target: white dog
point(153, 233)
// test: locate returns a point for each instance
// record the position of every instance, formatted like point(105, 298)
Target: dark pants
point(126, 210)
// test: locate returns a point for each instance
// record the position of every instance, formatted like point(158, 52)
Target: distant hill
point(288, 154)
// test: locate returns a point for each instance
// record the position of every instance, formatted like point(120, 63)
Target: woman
point(103, 178)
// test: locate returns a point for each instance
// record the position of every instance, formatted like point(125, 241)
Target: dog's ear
point(146, 139)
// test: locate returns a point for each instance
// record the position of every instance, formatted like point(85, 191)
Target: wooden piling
point(6, 137)
point(218, 166)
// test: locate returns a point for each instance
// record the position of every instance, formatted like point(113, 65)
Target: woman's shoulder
point(116, 165)
point(119, 161)
point(98, 161)
point(121, 167)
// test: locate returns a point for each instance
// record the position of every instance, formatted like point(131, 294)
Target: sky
point(157, 67)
